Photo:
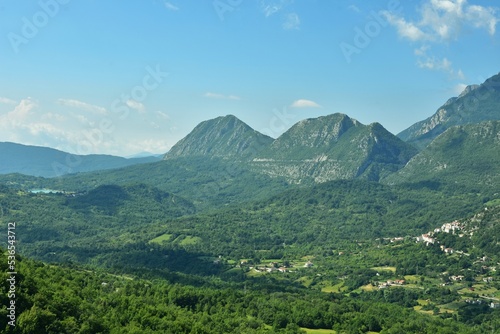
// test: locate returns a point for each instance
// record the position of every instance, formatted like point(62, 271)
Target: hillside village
point(475, 289)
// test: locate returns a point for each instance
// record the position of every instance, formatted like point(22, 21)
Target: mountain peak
point(468, 89)
point(224, 137)
point(333, 147)
point(315, 132)
point(476, 104)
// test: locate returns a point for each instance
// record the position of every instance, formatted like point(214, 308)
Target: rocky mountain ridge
point(477, 103)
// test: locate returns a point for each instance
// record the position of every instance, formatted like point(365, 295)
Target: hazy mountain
point(154, 157)
point(224, 137)
point(48, 162)
point(333, 147)
point(467, 155)
point(477, 103)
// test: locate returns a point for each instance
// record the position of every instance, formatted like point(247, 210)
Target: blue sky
point(121, 77)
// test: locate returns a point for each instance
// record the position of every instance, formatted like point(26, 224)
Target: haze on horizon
point(138, 76)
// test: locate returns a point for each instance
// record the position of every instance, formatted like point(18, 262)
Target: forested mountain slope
point(476, 104)
point(467, 155)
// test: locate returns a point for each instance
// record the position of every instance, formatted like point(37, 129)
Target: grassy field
point(318, 331)
point(189, 240)
point(338, 288)
point(162, 238)
point(391, 269)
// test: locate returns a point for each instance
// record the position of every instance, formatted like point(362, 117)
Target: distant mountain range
point(321, 149)
point(477, 103)
point(313, 150)
point(48, 162)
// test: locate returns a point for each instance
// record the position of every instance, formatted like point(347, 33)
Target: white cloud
point(5, 100)
point(20, 113)
point(24, 125)
point(481, 17)
point(82, 132)
point(136, 106)
point(82, 106)
point(405, 29)
point(292, 22)
point(302, 103)
point(459, 88)
point(171, 7)
point(444, 20)
point(221, 96)
point(436, 64)
point(271, 7)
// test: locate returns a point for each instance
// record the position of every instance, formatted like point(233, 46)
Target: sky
point(130, 76)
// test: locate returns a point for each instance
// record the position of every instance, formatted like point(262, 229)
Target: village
point(478, 288)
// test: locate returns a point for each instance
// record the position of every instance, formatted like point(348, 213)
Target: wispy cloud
point(354, 8)
point(20, 113)
point(5, 100)
point(271, 7)
point(171, 6)
point(161, 115)
point(425, 61)
point(133, 104)
point(442, 21)
point(82, 105)
point(53, 116)
point(292, 22)
point(80, 132)
point(221, 96)
point(302, 103)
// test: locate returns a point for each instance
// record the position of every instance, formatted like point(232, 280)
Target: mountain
point(466, 155)
point(225, 137)
point(48, 162)
point(333, 147)
point(154, 157)
point(477, 103)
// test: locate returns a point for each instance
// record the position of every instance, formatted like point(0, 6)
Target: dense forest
point(137, 259)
